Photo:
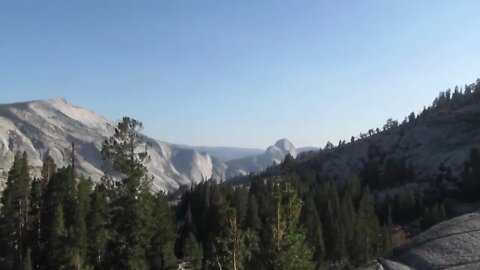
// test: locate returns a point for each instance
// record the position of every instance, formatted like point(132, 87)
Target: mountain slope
point(225, 153)
point(273, 155)
point(49, 127)
point(442, 137)
point(452, 244)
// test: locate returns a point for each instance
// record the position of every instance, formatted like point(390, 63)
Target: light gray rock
point(49, 127)
point(453, 244)
point(225, 153)
point(437, 138)
point(273, 155)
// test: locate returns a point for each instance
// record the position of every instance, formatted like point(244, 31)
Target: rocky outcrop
point(426, 143)
point(453, 244)
point(49, 127)
point(273, 155)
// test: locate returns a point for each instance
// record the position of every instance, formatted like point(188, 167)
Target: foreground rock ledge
point(453, 244)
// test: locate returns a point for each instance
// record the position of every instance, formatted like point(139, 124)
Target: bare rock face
point(42, 128)
point(274, 154)
point(453, 244)
point(438, 138)
point(49, 127)
point(286, 147)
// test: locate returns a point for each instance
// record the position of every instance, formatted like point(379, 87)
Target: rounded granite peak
point(286, 147)
point(284, 144)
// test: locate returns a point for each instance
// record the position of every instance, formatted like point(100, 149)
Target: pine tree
point(352, 188)
point(252, 219)
point(367, 232)
point(35, 230)
point(162, 235)
point(290, 248)
point(15, 213)
point(230, 243)
point(193, 252)
point(433, 216)
point(345, 265)
point(338, 248)
point(347, 219)
point(405, 209)
point(331, 234)
point(184, 215)
point(59, 227)
point(74, 260)
point(127, 153)
point(97, 227)
point(442, 213)
point(241, 204)
point(79, 232)
point(27, 261)
point(471, 175)
point(427, 219)
point(386, 240)
point(253, 259)
point(56, 256)
point(311, 220)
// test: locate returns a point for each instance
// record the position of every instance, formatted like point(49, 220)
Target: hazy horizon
point(240, 74)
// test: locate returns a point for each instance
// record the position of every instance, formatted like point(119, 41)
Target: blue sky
point(240, 73)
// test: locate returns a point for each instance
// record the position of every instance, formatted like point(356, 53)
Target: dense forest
point(287, 217)
point(62, 221)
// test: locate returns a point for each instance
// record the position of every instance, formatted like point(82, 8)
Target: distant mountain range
point(49, 127)
point(224, 153)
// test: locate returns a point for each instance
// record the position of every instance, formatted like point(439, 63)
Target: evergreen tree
point(193, 252)
point(314, 235)
point(253, 259)
point(334, 235)
point(345, 265)
point(162, 239)
point(433, 216)
point(252, 219)
point(371, 175)
point(405, 206)
point(79, 234)
point(471, 176)
point(126, 152)
point(229, 245)
point(347, 218)
point(290, 249)
point(35, 230)
point(386, 240)
point(27, 261)
point(241, 204)
point(56, 256)
point(97, 219)
point(367, 232)
point(14, 214)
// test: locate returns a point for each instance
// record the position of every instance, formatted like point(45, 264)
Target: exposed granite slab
point(453, 244)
